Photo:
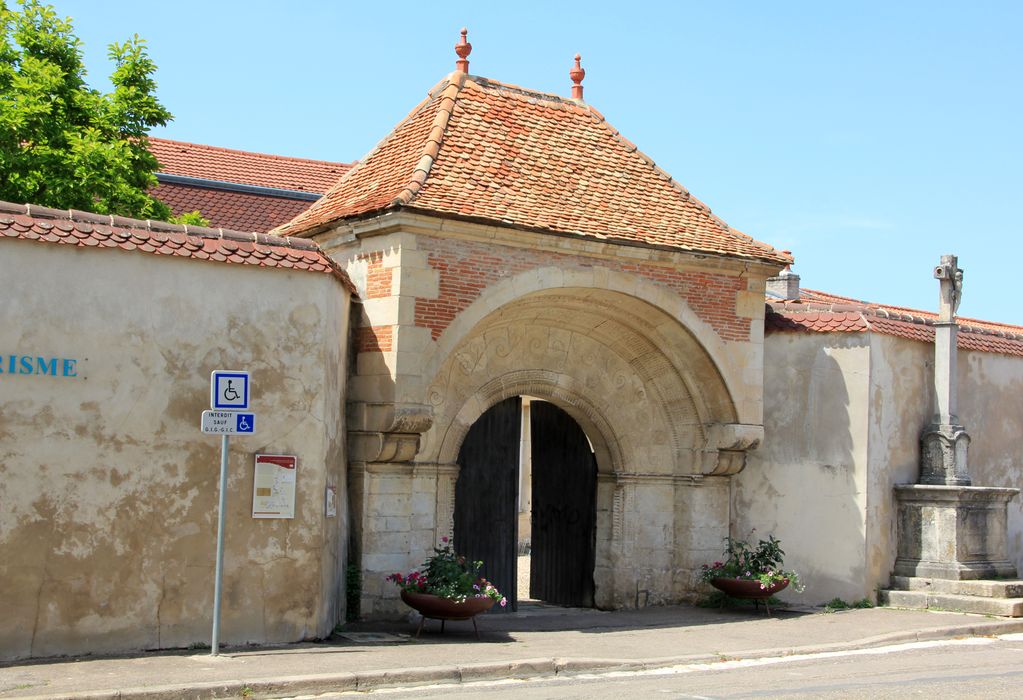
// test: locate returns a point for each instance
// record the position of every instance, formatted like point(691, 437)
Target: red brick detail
point(375, 338)
point(467, 269)
point(378, 277)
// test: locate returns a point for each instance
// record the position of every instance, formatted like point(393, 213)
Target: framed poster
point(273, 488)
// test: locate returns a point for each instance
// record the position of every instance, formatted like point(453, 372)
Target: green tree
point(62, 143)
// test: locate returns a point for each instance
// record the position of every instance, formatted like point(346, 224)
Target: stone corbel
point(727, 444)
point(386, 432)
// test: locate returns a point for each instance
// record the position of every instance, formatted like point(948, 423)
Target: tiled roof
point(78, 228)
point(820, 312)
point(481, 150)
point(241, 211)
point(244, 167)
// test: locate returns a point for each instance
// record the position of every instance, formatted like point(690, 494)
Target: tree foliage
point(62, 143)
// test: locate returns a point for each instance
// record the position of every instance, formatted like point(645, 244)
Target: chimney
point(786, 285)
point(463, 48)
point(577, 74)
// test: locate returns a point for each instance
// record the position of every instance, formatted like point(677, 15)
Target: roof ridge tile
point(73, 227)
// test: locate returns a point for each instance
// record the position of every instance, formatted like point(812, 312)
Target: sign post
point(229, 397)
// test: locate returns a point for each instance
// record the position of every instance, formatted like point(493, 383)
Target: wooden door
point(486, 525)
point(564, 475)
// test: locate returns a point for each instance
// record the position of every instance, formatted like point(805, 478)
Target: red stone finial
point(463, 48)
point(577, 74)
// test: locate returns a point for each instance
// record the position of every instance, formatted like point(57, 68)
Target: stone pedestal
point(953, 532)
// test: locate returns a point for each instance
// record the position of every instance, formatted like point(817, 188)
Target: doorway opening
point(525, 502)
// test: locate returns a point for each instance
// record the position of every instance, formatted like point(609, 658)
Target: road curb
point(491, 671)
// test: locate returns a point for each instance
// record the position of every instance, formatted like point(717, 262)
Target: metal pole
point(215, 645)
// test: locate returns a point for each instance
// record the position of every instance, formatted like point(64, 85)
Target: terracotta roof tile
point(244, 167)
point(240, 211)
point(62, 227)
point(483, 150)
point(820, 312)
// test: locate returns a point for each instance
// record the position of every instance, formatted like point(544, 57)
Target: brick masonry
point(466, 269)
point(378, 277)
point(375, 339)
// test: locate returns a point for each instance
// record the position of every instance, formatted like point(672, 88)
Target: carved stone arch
point(675, 314)
point(609, 346)
point(549, 386)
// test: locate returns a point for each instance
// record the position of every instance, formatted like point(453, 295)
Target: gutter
point(165, 178)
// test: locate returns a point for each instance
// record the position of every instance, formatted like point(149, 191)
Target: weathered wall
point(108, 488)
point(990, 407)
point(807, 483)
point(843, 418)
point(901, 404)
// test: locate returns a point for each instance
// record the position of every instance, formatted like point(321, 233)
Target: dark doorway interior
point(563, 496)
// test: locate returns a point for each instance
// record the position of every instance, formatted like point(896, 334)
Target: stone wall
point(109, 489)
point(843, 418)
point(657, 355)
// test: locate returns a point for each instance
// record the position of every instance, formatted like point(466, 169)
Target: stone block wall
point(657, 354)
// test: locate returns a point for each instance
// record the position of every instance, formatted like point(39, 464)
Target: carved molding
point(386, 432)
point(943, 450)
point(731, 441)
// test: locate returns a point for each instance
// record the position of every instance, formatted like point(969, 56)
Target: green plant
point(839, 604)
point(64, 144)
point(763, 563)
point(449, 575)
point(190, 218)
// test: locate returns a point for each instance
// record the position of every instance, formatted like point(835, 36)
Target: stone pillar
point(944, 443)
point(948, 529)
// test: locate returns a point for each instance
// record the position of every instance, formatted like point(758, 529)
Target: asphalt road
point(968, 668)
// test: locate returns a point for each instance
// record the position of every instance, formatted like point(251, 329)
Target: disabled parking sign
point(228, 423)
point(229, 390)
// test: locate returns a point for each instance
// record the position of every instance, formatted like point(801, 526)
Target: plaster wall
point(807, 484)
point(991, 408)
point(902, 404)
point(843, 418)
point(108, 487)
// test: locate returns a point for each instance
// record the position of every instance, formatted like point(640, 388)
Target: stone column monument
point(948, 529)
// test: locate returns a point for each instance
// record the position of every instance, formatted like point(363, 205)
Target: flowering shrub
point(763, 564)
point(448, 575)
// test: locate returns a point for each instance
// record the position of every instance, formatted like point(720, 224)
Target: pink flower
point(444, 540)
point(504, 602)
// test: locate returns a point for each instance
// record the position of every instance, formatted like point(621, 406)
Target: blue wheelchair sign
point(246, 422)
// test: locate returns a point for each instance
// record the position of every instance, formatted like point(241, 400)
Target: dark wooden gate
point(564, 474)
point(486, 524)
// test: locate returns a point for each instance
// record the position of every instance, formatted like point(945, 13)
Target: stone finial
point(463, 48)
point(577, 74)
point(950, 276)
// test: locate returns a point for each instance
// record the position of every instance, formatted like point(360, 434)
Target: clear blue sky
point(867, 137)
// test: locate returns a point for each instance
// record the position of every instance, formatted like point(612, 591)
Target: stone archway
point(652, 402)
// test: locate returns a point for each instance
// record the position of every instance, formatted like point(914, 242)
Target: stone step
point(985, 588)
point(922, 600)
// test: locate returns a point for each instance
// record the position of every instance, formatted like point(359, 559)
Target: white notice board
point(273, 488)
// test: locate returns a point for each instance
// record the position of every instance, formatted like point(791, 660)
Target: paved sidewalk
point(537, 640)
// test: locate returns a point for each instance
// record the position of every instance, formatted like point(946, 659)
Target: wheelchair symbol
point(246, 423)
point(230, 393)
